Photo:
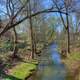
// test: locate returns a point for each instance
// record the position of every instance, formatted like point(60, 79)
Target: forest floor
point(17, 69)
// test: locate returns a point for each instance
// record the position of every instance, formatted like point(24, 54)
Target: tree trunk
point(68, 34)
point(68, 41)
point(31, 31)
point(35, 43)
point(15, 43)
point(32, 39)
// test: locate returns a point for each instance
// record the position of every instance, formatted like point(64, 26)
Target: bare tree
point(65, 7)
point(31, 29)
point(50, 10)
point(10, 10)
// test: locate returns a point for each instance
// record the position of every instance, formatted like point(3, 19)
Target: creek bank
point(50, 66)
point(73, 64)
point(21, 71)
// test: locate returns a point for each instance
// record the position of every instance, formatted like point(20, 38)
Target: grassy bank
point(20, 71)
point(73, 64)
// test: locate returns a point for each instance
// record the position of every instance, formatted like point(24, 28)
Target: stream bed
point(50, 66)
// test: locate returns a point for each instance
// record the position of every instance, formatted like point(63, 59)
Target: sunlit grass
point(21, 71)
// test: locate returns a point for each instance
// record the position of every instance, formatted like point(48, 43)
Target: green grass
point(21, 71)
point(73, 57)
point(72, 62)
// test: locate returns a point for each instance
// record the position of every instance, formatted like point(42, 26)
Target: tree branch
point(35, 14)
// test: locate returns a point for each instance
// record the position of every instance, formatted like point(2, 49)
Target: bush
point(8, 46)
point(22, 45)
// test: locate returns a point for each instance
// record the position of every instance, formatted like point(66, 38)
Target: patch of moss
point(21, 71)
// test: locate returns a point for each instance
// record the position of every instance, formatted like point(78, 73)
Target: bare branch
point(35, 14)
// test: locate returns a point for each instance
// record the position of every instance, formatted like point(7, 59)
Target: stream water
point(50, 66)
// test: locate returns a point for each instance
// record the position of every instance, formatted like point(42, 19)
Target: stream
point(50, 66)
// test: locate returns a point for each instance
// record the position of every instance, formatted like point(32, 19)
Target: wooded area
point(28, 27)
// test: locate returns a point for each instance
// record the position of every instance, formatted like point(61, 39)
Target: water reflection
point(50, 67)
point(55, 54)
